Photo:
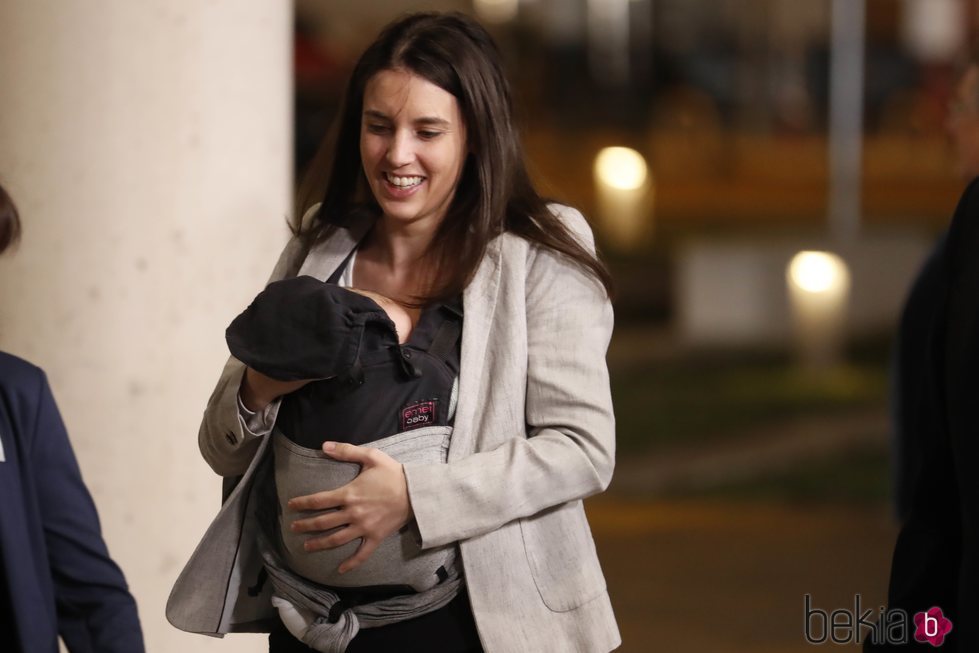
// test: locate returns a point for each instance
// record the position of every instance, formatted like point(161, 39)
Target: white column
point(148, 146)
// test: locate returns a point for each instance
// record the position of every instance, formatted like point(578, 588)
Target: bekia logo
point(890, 627)
point(931, 626)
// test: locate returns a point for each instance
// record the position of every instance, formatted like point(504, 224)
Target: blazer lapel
point(478, 306)
point(325, 257)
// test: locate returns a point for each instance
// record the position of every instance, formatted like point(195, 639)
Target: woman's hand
point(258, 391)
point(372, 506)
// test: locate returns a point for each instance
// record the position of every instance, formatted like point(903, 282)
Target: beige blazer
point(534, 434)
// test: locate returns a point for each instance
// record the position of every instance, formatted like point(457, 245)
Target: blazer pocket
point(562, 556)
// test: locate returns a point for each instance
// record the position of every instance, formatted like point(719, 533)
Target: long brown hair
point(9, 221)
point(495, 193)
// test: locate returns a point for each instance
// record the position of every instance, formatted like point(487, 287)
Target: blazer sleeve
point(568, 449)
point(225, 440)
point(96, 612)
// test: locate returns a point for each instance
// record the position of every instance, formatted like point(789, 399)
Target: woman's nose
point(399, 149)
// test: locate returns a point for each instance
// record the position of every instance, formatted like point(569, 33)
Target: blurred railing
point(718, 177)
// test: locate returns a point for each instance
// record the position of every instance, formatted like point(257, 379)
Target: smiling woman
point(413, 145)
point(416, 491)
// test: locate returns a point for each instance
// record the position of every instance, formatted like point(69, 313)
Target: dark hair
point(9, 221)
point(494, 194)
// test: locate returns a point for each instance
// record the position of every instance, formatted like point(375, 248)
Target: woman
point(56, 576)
point(426, 183)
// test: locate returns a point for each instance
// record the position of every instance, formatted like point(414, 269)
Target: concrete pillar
point(148, 147)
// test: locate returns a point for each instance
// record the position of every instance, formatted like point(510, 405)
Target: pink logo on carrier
point(418, 415)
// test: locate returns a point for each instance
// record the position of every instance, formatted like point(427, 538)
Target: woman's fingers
point(343, 536)
point(351, 453)
point(371, 507)
point(365, 550)
point(323, 522)
point(319, 501)
point(333, 540)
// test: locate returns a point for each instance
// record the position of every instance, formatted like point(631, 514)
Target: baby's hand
point(395, 311)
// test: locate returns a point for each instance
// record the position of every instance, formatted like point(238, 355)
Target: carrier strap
point(445, 339)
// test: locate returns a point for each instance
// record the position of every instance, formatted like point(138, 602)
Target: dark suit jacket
point(909, 391)
point(59, 575)
point(936, 558)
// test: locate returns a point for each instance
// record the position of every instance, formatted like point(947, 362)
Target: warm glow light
point(818, 272)
point(620, 167)
point(496, 11)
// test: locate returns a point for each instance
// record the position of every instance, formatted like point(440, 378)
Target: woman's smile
point(400, 187)
point(412, 144)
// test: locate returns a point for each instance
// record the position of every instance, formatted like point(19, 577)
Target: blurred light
point(817, 272)
point(935, 30)
point(496, 11)
point(624, 191)
point(819, 289)
point(620, 167)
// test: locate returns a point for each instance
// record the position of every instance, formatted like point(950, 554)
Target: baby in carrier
point(371, 387)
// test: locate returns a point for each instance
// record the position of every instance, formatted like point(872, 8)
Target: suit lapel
point(478, 305)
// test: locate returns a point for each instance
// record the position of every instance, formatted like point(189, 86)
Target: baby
point(369, 377)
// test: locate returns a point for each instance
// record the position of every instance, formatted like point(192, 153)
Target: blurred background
point(765, 179)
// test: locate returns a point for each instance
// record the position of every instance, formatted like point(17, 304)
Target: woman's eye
point(376, 128)
point(429, 134)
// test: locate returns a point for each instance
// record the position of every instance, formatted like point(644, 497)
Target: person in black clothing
point(907, 379)
point(935, 563)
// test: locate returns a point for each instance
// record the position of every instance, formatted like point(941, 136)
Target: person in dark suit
point(907, 382)
point(936, 559)
point(908, 390)
point(56, 576)
point(935, 563)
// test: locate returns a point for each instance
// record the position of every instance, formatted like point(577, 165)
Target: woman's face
point(413, 145)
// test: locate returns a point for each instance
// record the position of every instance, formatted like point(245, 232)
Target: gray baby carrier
point(371, 390)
